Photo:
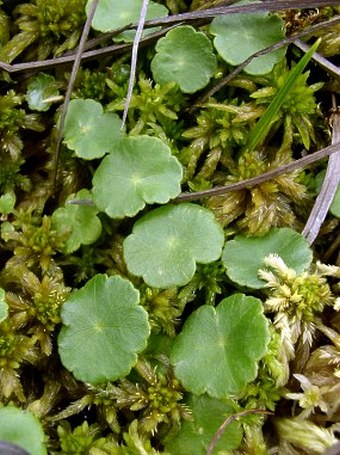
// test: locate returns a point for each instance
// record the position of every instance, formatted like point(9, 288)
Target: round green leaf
point(218, 349)
point(141, 170)
point(186, 57)
point(42, 88)
point(89, 131)
point(238, 36)
point(3, 306)
point(166, 243)
point(23, 429)
point(196, 434)
point(80, 220)
point(103, 330)
point(114, 14)
point(243, 256)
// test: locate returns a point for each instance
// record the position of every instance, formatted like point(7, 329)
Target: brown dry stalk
point(178, 19)
point(248, 183)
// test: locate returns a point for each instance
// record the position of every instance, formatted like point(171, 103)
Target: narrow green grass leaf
point(263, 125)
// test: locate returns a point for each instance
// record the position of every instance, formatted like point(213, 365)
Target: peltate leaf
point(141, 170)
point(186, 57)
point(39, 92)
point(89, 131)
point(227, 340)
point(114, 14)
point(243, 256)
point(195, 435)
point(166, 243)
point(23, 429)
point(238, 36)
point(103, 330)
point(81, 220)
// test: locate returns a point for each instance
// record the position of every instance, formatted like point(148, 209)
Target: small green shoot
point(263, 125)
point(7, 203)
point(229, 340)
point(195, 434)
point(103, 329)
point(243, 256)
point(238, 36)
point(23, 429)
point(140, 171)
point(89, 131)
point(166, 243)
point(186, 57)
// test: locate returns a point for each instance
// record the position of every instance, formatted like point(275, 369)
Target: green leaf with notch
point(166, 243)
point(89, 131)
point(140, 171)
point(228, 340)
point(114, 14)
point(195, 435)
point(103, 329)
point(243, 256)
point(238, 36)
point(186, 57)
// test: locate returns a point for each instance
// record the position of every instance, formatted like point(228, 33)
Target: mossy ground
point(298, 379)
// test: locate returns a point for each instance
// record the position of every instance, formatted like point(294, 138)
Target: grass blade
point(263, 125)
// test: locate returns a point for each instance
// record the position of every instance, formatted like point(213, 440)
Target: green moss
point(45, 28)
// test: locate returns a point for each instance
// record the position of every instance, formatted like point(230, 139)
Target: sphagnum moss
point(134, 414)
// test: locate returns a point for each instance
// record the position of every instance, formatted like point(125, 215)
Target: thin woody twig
point(328, 66)
point(328, 188)
point(77, 61)
point(135, 46)
point(273, 5)
point(248, 183)
point(176, 20)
